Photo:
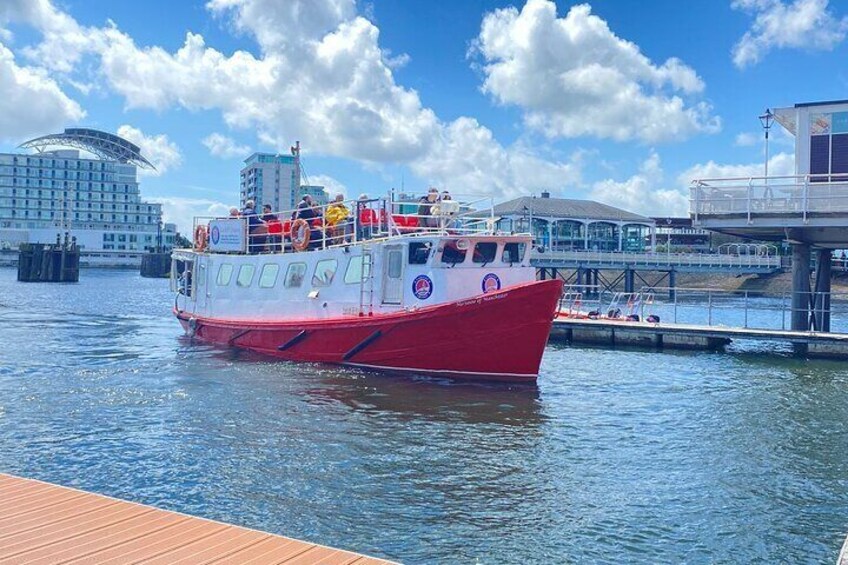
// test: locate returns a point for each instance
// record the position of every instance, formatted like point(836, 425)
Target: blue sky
point(619, 101)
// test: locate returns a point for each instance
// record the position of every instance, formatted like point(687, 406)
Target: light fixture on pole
point(766, 120)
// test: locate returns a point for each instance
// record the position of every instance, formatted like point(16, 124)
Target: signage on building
point(227, 235)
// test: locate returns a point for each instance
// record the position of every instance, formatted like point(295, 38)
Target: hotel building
point(93, 199)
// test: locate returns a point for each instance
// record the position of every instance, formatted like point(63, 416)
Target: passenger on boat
point(364, 221)
point(275, 229)
point(306, 209)
point(256, 230)
point(337, 219)
point(425, 208)
point(234, 212)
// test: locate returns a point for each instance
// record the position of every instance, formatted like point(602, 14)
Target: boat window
point(268, 276)
point(395, 264)
point(295, 275)
point(419, 252)
point(513, 252)
point(225, 274)
point(484, 252)
point(245, 275)
point(325, 270)
point(451, 252)
point(353, 274)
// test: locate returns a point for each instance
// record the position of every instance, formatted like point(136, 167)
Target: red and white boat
point(443, 294)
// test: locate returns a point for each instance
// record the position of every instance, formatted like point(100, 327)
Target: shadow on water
point(405, 396)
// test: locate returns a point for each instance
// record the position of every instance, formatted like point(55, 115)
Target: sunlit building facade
point(95, 199)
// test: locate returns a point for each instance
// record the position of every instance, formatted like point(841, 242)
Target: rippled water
point(625, 456)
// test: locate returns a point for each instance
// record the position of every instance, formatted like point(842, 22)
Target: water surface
point(616, 455)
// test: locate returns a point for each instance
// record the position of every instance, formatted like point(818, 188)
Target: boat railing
point(342, 222)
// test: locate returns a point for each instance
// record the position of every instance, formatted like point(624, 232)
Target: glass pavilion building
point(94, 199)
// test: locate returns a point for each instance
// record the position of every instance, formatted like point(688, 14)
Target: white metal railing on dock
point(798, 195)
point(710, 307)
point(615, 259)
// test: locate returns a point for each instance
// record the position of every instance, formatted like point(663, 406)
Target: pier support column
point(580, 279)
point(820, 319)
point(800, 313)
point(672, 284)
point(629, 280)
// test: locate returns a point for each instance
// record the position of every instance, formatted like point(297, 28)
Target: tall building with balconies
point(270, 179)
point(94, 199)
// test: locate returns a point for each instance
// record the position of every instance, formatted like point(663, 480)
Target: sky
point(618, 101)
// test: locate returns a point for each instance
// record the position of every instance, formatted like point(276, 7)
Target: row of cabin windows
point(325, 272)
point(484, 252)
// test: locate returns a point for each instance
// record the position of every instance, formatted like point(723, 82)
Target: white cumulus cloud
point(158, 149)
point(573, 76)
point(801, 24)
point(780, 164)
point(746, 139)
point(225, 147)
point(644, 192)
point(31, 103)
point(322, 77)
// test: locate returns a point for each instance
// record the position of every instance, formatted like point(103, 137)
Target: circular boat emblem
point(491, 283)
point(216, 235)
point(422, 287)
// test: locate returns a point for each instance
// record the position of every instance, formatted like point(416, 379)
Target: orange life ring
point(201, 238)
point(300, 234)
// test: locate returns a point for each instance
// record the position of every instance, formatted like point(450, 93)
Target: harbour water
point(616, 455)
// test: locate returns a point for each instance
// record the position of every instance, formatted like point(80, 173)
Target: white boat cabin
point(354, 268)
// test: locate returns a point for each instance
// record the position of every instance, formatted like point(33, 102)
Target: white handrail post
point(805, 197)
point(750, 196)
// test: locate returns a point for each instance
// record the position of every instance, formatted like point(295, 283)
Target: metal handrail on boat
point(363, 220)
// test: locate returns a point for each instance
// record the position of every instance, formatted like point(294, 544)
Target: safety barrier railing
point(751, 196)
point(712, 307)
point(616, 259)
point(346, 222)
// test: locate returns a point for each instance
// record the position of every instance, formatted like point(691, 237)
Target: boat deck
point(45, 523)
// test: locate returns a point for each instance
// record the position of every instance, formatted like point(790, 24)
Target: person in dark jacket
point(256, 230)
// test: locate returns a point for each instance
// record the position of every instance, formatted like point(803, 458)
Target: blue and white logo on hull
point(422, 287)
point(491, 283)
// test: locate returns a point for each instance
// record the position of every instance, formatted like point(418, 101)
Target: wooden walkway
point(45, 523)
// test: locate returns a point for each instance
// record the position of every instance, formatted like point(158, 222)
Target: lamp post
point(766, 120)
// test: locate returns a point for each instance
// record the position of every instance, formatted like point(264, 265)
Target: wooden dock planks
point(44, 523)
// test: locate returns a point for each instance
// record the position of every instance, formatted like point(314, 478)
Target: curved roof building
point(105, 145)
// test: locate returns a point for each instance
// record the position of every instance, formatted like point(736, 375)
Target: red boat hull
point(497, 336)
